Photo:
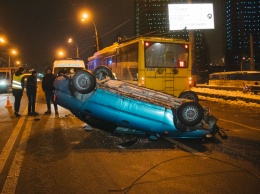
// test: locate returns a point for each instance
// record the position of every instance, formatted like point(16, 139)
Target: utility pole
point(191, 40)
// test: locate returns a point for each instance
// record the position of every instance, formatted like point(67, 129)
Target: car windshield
point(2, 75)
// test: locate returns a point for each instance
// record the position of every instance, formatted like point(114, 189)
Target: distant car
point(6, 76)
point(114, 105)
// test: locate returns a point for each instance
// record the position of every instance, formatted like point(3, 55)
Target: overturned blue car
point(113, 105)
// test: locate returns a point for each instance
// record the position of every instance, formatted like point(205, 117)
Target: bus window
point(127, 62)
point(162, 55)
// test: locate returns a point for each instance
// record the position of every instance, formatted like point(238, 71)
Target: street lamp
point(83, 19)
point(77, 48)
point(17, 63)
point(60, 53)
point(11, 52)
point(2, 40)
point(241, 64)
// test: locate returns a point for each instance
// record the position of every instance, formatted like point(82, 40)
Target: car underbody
point(115, 105)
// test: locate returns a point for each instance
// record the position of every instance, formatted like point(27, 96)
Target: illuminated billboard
point(191, 16)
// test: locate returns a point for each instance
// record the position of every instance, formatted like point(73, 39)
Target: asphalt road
point(53, 154)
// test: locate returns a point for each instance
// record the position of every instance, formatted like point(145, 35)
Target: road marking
point(11, 141)
point(14, 172)
point(189, 149)
point(256, 129)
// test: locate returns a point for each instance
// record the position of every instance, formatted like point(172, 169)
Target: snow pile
point(229, 97)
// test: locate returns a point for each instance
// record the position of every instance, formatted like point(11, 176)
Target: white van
point(6, 76)
point(67, 66)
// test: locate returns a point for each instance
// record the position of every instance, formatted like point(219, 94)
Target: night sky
point(38, 28)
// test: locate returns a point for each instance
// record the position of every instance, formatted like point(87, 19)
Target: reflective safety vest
point(17, 82)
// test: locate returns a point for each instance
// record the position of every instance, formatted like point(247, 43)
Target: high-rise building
point(151, 19)
point(242, 21)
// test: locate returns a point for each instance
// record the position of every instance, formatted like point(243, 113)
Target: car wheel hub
point(83, 81)
point(190, 114)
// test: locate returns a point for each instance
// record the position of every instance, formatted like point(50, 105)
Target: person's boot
point(56, 111)
point(17, 114)
point(48, 112)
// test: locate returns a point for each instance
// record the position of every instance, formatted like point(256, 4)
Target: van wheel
point(190, 113)
point(84, 81)
point(101, 72)
point(189, 95)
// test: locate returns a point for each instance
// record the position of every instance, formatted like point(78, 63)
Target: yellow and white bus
point(162, 64)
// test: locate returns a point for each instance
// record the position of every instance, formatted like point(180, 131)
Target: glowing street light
point(77, 48)
point(83, 19)
point(2, 40)
point(60, 53)
point(11, 52)
point(14, 52)
point(18, 63)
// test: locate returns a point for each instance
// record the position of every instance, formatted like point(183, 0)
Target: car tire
point(84, 81)
point(101, 72)
point(189, 95)
point(190, 113)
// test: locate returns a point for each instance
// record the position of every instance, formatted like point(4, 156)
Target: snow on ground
point(237, 98)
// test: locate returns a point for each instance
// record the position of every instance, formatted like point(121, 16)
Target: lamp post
point(241, 64)
point(84, 17)
point(2, 41)
point(9, 56)
point(77, 48)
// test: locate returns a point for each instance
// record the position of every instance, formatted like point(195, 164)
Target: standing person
point(17, 89)
point(48, 88)
point(31, 89)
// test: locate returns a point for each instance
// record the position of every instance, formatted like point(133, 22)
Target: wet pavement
point(54, 154)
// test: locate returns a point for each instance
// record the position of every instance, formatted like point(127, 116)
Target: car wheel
point(189, 95)
point(190, 113)
point(84, 81)
point(101, 72)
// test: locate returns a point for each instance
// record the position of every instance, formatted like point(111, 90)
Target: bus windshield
point(162, 55)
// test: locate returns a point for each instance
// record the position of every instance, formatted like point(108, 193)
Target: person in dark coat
point(48, 88)
point(31, 90)
point(17, 89)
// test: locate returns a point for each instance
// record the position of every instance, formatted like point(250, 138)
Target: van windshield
point(66, 70)
point(3, 75)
